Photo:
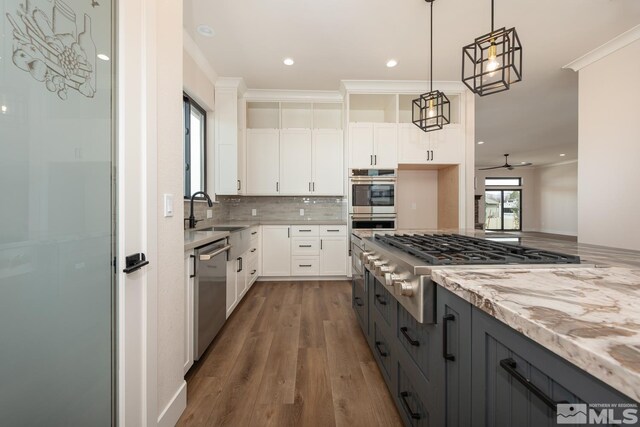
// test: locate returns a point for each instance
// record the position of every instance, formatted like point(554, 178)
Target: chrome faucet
point(192, 219)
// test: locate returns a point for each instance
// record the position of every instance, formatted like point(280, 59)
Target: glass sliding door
point(56, 221)
point(503, 210)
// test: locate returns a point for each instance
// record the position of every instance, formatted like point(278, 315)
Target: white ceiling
point(333, 40)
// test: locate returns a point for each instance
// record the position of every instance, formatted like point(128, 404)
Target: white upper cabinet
point(385, 145)
point(328, 165)
point(263, 161)
point(295, 162)
point(361, 145)
point(447, 145)
point(229, 122)
point(413, 144)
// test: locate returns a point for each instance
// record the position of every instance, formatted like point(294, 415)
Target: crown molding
point(236, 83)
point(194, 51)
point(606, 49)
point(408, 87)
point(293, 95)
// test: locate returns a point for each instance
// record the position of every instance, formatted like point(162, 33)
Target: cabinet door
point(295, 162)
point(232, 286)
point(447, 145)
point(361, 145)
point(241, 281)
point(454, 316)
point(242, 162)
point(385, 146)
point(413, 144)
point(328, 166)
point(276, 250)
point(501, 355)
point(226, 140)
point(263, 161)
point(189, 266)
point(333, 256)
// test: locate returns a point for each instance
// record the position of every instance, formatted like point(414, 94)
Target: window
point(503, 182)
point(503, 210)
point(195, 133)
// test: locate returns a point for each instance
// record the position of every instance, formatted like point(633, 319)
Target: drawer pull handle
point(445, 336)
point(381, 300)
point(403, 399)
point(358, 301)
point(253, 272)
point(253, 250)
point(253, 233)
point(333, 231)
point(380, 351)
point(406, 335)
point(510, 366)
point(304, 265)
point(305, 231)
point(304, 246)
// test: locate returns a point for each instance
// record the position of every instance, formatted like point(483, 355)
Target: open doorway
point(503, 210)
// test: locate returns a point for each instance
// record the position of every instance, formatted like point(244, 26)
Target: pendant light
point(493, 62)
point(431, 111)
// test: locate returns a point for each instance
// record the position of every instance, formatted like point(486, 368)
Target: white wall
point(170, 234)
point(417, 199)
point(609, 150)
point(557, 198)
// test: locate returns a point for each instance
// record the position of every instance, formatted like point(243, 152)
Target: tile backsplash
point(239, 208)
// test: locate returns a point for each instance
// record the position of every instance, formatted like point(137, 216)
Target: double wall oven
point(372, 199)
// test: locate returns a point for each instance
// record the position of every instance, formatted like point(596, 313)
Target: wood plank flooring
point(292, 354)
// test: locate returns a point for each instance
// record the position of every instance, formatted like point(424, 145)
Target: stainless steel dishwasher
point(210, 294)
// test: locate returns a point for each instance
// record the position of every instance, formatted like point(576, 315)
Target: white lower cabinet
point(276, 250)
point(189, 268)
point(304, 250)
point(242, 272)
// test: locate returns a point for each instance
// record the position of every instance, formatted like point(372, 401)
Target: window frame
point(502, 190)
point(188, 104)
point(503, 179)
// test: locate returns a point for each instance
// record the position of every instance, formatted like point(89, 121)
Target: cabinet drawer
point(418, 340)
point(411, 402)
point(384, 302)
point(252, 269)
point(253, 251)
point(333, 230)
point(305, 246)
point(305, 266)
point(359, 303)
point(382, 351)
point(305, 230)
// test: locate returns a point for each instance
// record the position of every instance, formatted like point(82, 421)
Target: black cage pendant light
point(493, 62)
point(431, 111)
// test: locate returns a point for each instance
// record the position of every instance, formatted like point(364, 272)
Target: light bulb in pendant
point(431, 112)
point(492, 61)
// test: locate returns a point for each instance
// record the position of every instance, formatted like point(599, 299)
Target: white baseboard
point(171, 413)
point(300, 278)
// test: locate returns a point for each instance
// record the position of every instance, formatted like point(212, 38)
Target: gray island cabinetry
point(468, 368)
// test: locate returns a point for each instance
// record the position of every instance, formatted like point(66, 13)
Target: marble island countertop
point(588, 316)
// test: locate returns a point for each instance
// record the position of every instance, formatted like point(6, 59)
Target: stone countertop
point(196, 238)
point(588, 316)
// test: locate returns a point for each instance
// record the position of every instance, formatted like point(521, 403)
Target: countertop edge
point(600, 366)
point(202, 240)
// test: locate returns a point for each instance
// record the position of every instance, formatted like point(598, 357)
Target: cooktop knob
point(390, 277)
point(376, 264)
point(364, 256)
point(383, 269)
point(372, 258)
point(404, 288)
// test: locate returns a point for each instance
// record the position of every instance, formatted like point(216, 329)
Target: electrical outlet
point(414, 206)
point(209, 213)
point(254, 212)
point(301, 212)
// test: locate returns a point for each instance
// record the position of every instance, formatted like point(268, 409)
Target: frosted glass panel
point(56, 278)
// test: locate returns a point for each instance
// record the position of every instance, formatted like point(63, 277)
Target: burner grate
point(455, 249)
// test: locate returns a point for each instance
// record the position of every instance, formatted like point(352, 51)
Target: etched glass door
point(57, 214)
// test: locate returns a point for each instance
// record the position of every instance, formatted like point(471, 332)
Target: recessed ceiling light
point(523, 163)
point(391, 63)
point(480, 142)
point(288, 61)
point(4, 109)
point(562, 155)
point(103, 57)
point(206, 30)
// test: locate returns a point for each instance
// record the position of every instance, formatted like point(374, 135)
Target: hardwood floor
point(292, 354)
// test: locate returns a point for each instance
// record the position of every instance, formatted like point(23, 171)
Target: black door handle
point(380, 351)
point(403, 399)
point(406, 335)
point(381, 300)
point(239, 265)
point(445, 336)
point(135, 262)
point(510, 365)
point(358, 301)
point(191, 276)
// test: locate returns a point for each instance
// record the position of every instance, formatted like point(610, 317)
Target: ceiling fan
point(506, 165)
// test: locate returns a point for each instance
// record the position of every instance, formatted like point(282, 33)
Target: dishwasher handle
point(208, 256)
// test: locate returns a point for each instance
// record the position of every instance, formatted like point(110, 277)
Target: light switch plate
point(209, 213)
point(254, 212)
point(301, 212)
point(168, 205)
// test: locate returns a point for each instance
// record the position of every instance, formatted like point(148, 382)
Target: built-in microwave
point(373, 191)
point(373, 222)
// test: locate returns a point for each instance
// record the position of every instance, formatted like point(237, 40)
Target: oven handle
point(374, 181)
point(208, 256)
